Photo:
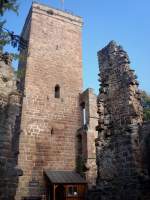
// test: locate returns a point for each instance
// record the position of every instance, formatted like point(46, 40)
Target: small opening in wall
point(51, 12)
point(83, 113)
point(52, 131)
point(5, 79)
point(57, 91)
point(57, 47)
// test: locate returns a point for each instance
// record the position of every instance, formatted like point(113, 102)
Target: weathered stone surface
point(49, 125)
point(55, 131)
point(121, 174)
point(145, 145)
point(9, 129)
point(86, 151)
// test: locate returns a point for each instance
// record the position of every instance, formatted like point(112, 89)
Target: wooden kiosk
point(65, 185)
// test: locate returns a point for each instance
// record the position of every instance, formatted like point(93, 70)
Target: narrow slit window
point(57, 91)
point(83, 113)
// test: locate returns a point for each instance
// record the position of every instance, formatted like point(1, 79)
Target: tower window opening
point(57, 91)
point(83, 113)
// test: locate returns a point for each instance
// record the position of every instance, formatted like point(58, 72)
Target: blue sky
point(125, 21)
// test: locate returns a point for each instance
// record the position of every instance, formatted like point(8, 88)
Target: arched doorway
point(60, 193)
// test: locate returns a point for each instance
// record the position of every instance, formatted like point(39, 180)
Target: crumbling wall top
point(119, 100)
point(7, 75)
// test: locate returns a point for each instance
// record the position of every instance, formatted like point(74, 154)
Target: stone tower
point(51, 74)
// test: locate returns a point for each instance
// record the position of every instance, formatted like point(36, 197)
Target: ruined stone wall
point(145, 144)
point(9, 129)
point(87, 135)
point(119, 94)
point(49, 124)
point(120, 171)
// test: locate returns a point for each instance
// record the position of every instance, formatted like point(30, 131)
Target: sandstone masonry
point(10, 103)
point(86, 155)
point(51, 113)
point(48, 122)
point(121, 174)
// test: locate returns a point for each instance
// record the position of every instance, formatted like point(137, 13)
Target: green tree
point(146, 105)
point(6, 36)
point(8, 5)
point(4, 6)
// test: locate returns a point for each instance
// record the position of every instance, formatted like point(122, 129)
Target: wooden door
point(60, 193)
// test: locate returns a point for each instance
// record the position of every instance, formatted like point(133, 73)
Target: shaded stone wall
point(119, 159)
point(49, 124)
point(9, 129)
point(86, 160)
point(145, 145)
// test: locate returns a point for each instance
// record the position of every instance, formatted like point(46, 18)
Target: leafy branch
point(10, 38)
point(6, 36)
point(8, 5)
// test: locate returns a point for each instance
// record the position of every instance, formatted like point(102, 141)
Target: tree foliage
point(4, 6)
point(146, 105)
point(6, 36)
point(8, 5)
